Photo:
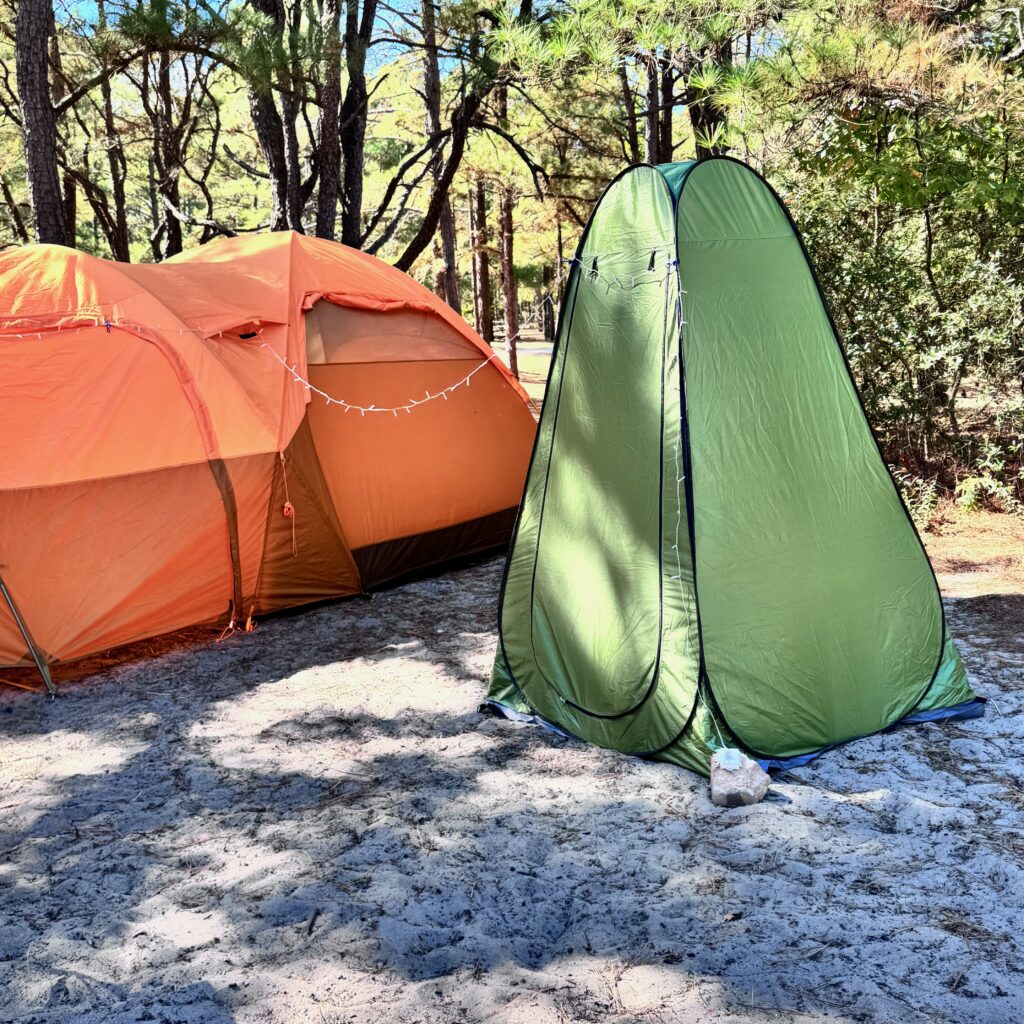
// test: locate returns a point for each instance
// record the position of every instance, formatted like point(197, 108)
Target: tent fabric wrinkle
point(710, 549)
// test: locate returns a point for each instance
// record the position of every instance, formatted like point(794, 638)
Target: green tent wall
point(710, 549)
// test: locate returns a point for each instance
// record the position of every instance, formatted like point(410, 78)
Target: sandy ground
point(313, 823)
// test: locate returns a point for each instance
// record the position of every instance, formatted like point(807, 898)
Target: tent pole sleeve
point(227, 494)
point(194, 397)
point(44, 669)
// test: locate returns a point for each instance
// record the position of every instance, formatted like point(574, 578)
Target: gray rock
point(736, 780)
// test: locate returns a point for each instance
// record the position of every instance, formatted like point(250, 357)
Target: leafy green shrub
point(920, 496)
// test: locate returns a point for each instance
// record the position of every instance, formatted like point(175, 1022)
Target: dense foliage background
point(466, 144)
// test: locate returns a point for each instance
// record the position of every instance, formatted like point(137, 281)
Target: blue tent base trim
point(955, 712)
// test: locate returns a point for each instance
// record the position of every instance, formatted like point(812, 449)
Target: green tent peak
point(675, 174)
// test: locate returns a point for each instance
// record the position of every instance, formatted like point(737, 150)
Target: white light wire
point(411, 403)
point(590, 269)
point(406, 406)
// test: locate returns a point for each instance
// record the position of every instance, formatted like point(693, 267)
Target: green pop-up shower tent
point(710, 549)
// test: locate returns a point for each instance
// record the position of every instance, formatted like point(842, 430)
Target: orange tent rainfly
point(259, 423)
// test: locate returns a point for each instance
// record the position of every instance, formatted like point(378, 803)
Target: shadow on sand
point(219, 832)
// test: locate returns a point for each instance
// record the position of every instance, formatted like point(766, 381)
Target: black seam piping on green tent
point(559, 334)
point(558, 727)
point(860, 402)
point(656, 670)
point(684, 431)
point(563, 331)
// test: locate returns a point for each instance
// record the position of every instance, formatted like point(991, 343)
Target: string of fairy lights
point(591, 268)
point(408, 406)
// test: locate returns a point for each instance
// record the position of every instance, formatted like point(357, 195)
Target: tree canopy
point(467, 143)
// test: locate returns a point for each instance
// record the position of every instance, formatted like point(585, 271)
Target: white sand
point(313, 823)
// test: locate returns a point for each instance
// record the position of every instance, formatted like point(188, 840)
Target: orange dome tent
point(164, 462)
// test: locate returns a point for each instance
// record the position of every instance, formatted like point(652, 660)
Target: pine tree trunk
point(652, 132)
point(330, 112)
point(289, 117)
point(452, 289)
point(665, 141)
point(705, 119)
point(448, 278)
point(270, 134)
point(559, 256)
point(58, 90)
point(629, 108)
point(38, 121)
point(353, 142)
point(473, 263)
point(70, 192)
point(116, 162)
point(484, 317)
point(509, 290)
point(354, 110)
point(156, 235)
point(12, 205)
point(705, 116)
point(547, 301)
point(266, 119)
point(168, 158)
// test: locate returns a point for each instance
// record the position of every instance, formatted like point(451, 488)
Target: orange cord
point(288, 511)
point(22, 686)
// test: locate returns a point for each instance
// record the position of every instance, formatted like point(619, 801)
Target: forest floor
point(313, 823)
